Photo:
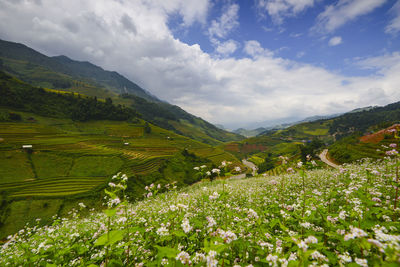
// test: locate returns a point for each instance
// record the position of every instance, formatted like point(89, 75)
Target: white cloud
point(254, 49)
point(228, 21)
point(227, 48)
point(279, 9)
point(337, 40)
point(300, 54)
point(223, 90)
point(394, 25)
point(344, 11)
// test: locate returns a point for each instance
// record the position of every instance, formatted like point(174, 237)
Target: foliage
point(83, 77)
point(361, 121)
point(267, 164)
point(306, 218)
point(174, 118)
point(61, 71)
point(310, 149)
point(23, 97)
point(73, 159)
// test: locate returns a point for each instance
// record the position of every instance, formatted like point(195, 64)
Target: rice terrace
point(199, 133)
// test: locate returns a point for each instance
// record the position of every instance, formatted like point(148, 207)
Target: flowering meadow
point(346, 217)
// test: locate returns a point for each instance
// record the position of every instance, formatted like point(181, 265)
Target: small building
point(126, 144)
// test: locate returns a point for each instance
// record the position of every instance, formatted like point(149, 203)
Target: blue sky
point(296, 37)
point(246, 63)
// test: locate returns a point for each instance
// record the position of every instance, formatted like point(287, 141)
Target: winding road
point(323, 158)
point(251, 165)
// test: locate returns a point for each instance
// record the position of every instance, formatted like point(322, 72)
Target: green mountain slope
point(65, 74)
point(342, 134)
point(250, 133)
point(32, 64)
point(78, 143)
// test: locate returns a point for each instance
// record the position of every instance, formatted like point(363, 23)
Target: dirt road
point(251, 165)
point(326, 160)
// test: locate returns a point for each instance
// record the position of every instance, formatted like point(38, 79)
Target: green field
point(72, 160)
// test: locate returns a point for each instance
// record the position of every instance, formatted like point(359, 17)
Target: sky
point(247, 63)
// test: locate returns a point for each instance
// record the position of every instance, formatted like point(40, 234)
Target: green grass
point(49, 164)
point(262, 221)
point(15, 166)
point(27, 211)
point(96, 166)
point(74, 159)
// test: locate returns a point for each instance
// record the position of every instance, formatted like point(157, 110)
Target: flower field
point(347, 217)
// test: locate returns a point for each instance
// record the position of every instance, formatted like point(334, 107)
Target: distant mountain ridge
point(63, 73)
point(80, 70)
point(250, 133)
point(265, 130)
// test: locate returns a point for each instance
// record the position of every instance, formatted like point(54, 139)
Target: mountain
point(250, 133)
point(74, 144)
point(318, 117)
point(29, 64)
point(362, 109)
point(63, 73)
point(286, 125)
point(342, 134)
point(358, 120)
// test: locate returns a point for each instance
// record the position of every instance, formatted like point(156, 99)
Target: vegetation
point(72, 161)
point(362, 121)
point(347, 217)
point(176, 119)
point(350, 149)
point(61, 74)
point(21, 96)
point(310, 149)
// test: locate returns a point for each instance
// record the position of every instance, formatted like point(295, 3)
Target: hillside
point(357, 146)
point(64, 74)
point(362, 121)
point(78, 142)
point(250, 133)
point(283, 219)
point(61, 71)
point(342, 134)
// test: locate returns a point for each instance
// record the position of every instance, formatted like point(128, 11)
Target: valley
point(194, 133)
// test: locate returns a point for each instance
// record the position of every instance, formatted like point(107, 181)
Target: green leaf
point(51, 265)
point(166, 252)
point(273, 223)
point(110, 194)
point(110, 212)
point(179, 234)
point(114, 236)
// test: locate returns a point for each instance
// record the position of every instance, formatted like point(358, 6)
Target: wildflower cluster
point(308, 218)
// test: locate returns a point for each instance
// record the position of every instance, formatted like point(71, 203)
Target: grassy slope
point(351, 126)
point(284, 142)
point(72, 158)
point(275, 219)
point(355, 147)
point(62, 73)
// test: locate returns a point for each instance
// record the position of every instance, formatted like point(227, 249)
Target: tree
point(108, 101)
point(147, 128)
point(310, 148)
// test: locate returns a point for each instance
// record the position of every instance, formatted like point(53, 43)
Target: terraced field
point(216, 155)
point(63, 162)
point(72, 160)
point(56, 186)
